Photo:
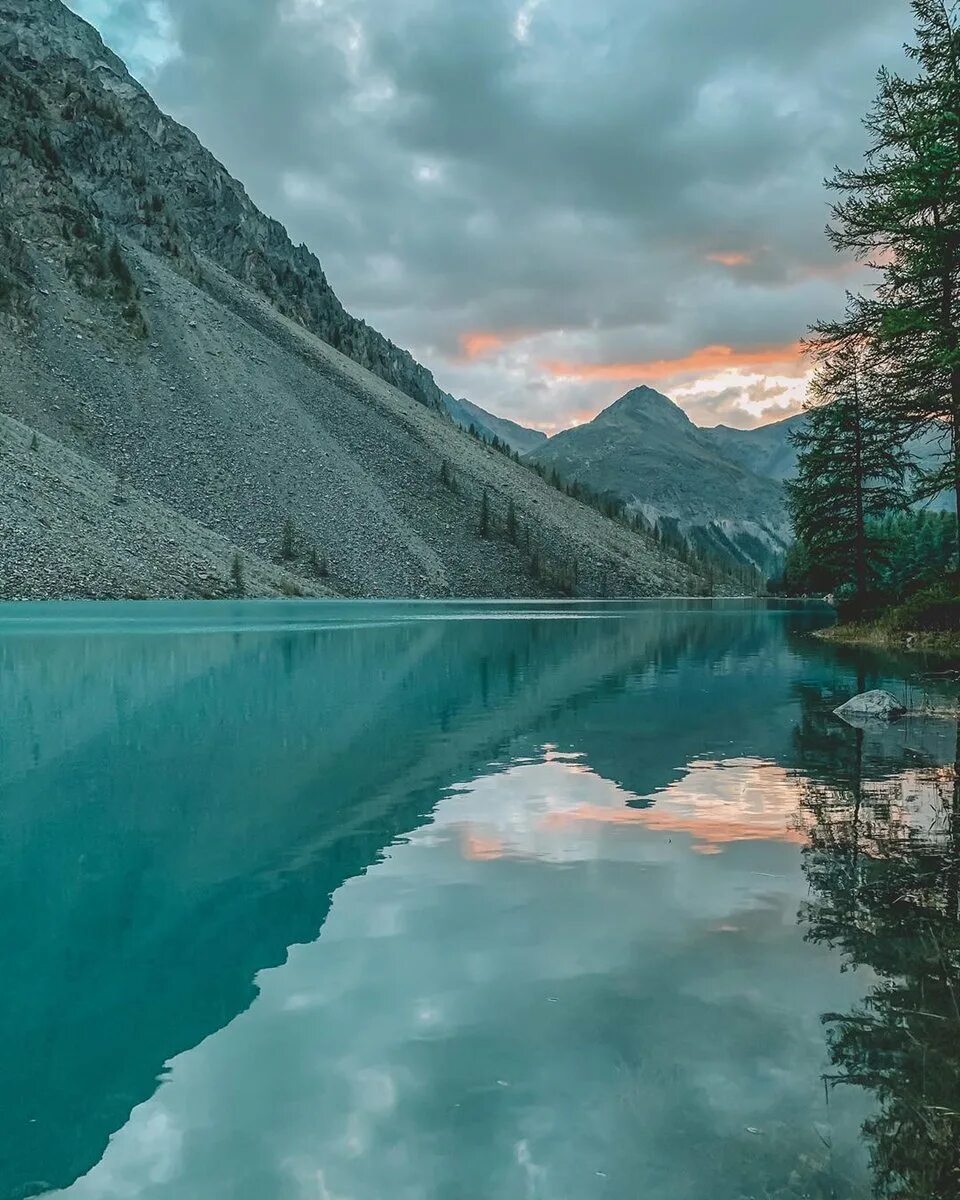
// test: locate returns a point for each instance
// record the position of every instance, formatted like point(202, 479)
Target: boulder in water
point(877, 704)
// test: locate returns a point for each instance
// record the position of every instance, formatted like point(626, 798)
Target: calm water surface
point(358, 901)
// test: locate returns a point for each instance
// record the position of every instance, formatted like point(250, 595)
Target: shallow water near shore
point(431, 901)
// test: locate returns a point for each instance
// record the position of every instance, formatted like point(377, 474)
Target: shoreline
point(873, 633)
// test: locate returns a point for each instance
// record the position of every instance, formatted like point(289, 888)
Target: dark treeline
point(888, 373)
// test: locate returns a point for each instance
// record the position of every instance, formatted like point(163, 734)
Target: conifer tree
point(319, 566)
point(485, 515)
point(238, 576)
point(512, 523)
point(288, 541)
point(849, 467)
point(901, 213)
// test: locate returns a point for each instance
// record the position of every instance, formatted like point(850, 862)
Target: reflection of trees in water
point(883, 863)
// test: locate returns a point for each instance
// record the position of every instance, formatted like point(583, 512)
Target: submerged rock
point(878, 704)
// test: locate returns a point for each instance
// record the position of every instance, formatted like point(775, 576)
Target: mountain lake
point(452, 901)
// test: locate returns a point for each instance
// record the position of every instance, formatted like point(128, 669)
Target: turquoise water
point(352, 901)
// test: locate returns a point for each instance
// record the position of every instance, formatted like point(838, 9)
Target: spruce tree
point(485, 515)
point(319, 566)
point(512, 523)
point(238, 576)
point(121, 489)
point(901, 213)
point(288, 541)
point(849, 467)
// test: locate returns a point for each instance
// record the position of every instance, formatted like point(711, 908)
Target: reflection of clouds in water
point(597, 1007)
point(554, 810)
point(149, 1154)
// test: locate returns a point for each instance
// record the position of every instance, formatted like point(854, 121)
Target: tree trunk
point(955, 431)
point(947, 292)
point(860, 546)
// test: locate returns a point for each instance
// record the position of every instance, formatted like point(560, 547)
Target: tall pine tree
point(849, 468)
point(901, 213)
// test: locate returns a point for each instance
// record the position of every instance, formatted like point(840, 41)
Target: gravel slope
point(240, 420)
point(65, 535)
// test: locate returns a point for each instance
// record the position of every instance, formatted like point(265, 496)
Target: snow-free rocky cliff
point(161, 332)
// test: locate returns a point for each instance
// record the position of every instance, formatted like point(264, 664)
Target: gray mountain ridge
point(711, 486)
point(169, 343)
point(518, 437)
point(766, 450)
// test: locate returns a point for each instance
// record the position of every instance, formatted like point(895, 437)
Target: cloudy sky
point(548, 201)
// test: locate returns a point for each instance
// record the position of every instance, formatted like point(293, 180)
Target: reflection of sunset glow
point(556, 806)
point(735, 801)
point(705, 359)
point(478, 847)
point(713, 829)
point(716, 804)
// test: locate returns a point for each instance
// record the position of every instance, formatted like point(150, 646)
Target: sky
point(549, 202)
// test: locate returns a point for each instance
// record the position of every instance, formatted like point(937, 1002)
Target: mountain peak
point(644, 403)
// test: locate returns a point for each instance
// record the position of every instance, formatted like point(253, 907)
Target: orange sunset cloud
point(474, 345)
point(731, 259)
point(706, 359)
point(477, 343)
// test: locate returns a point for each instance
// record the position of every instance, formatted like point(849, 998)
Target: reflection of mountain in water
point(196, 800)
point(883, 863)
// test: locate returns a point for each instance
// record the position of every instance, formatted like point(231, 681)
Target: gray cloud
point(629, 180)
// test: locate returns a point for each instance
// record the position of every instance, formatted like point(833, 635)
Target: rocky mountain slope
point(72, 529)
point(645, 450)
point(520, 438)
point(160, 330)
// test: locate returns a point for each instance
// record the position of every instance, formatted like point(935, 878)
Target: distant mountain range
point(721, 488)
point(766, 451)
point(187, 409)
